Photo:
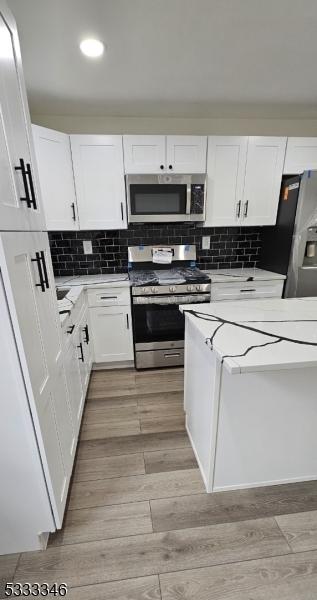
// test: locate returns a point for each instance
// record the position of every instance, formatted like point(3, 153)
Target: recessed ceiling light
point(92, 48)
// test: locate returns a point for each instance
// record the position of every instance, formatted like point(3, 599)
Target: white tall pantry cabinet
point(37, 439)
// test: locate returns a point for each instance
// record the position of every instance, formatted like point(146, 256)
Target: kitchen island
point(251, 391)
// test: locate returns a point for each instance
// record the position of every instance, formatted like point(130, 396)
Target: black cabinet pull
point(23, 170)
point(86, 330)
point(70, 329)
point(73, 209)
point(37, 259)
point(246, 206)
point(81, 357)
point(170, 167)
point(128, 323)
point(121, 204)
point(44, 270)
point(29, 174)
point(162, 167)
point(248, 290)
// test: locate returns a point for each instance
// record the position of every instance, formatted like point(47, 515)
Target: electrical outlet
point(205, 242)
point(87, 246)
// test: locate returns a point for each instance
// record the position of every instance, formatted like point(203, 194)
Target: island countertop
point(224, 326)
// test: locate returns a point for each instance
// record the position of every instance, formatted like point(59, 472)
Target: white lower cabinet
point(84, 350)
point(111, 328)
point(246, 290)
point(74, 386)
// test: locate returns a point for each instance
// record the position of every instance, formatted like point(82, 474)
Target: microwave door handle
point(188, 198)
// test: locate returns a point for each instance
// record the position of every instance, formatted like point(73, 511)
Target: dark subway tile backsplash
point(233, 247)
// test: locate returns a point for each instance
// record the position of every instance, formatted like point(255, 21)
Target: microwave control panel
point(197, 203)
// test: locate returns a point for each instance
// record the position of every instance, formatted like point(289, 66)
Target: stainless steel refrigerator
point(290, 247)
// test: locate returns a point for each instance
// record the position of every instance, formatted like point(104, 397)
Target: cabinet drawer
point(246, 290)
point(109, 297)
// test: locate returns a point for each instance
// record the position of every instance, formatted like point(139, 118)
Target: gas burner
point(163, 277)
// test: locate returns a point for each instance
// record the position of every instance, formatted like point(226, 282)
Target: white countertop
point(78, 284)
point(234, 340)
point(119, 280)
point(228, 275)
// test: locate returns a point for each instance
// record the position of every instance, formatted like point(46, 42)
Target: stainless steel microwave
point(166, 198)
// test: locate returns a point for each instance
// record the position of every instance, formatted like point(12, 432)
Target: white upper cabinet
point(244, 180)
point(263, 176)
point(144, 153)
point(225, 171)
point(99, 181)
point(161, 153)
point(186, 153)
point(20, 207)
point(54, 161)
point(301, 155)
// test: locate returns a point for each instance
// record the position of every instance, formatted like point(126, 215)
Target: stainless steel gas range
point(157, 292)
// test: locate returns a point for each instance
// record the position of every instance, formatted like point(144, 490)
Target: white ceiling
point(197, 58)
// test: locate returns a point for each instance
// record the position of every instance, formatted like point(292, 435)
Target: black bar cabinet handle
point(44, 270)
point(248, 290)
point(37, 259)
point(27, 197)
point(246, 206)
point(29, 174)
point(86, 330)
point(70, 329)
point(128, 323)
point(81, 357)
point(121, 204)
point(73, 209)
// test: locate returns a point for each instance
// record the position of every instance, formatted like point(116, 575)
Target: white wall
point(216, 126)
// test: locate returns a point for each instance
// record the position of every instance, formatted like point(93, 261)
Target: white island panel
point(252, 419)
point(266, 429)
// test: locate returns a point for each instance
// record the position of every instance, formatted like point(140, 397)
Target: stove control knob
point(190, 288)
point(198, 288)
point(154, 290)
point(172, 288)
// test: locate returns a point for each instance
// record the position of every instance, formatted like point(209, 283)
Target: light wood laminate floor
point(139, 525)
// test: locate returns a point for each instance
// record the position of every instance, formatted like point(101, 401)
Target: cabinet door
point(112, 333)
point(20, 207)
point(186, 153)
point(263, 178)
point(87, 344)
point(225, 180)
point(144, 153)
point(56, 176)
point(84, 351)
point(301, 155)
point(74, 386)
point(33, 309)
point(99, 181)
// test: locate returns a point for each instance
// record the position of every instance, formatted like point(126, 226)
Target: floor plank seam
point(282, 532)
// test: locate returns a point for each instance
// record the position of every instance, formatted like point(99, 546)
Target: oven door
point(158, 202)
point(155, 325)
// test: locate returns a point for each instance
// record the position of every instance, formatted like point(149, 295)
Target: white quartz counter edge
point(239, 275)
point(233, 340)
point(68, 302)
